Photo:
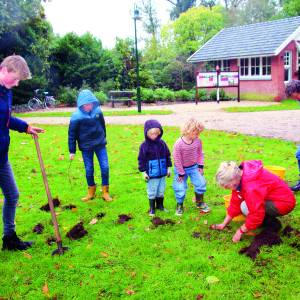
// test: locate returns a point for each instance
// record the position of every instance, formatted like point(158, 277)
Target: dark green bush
point(67, 95)
point(184, 95)
point(223, 96)
point(164, 94)
point(101, 96)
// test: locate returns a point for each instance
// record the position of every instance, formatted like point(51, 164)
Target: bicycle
point(43, 101)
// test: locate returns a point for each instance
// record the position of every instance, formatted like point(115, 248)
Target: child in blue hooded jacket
point(154, 161)
point(87, 128)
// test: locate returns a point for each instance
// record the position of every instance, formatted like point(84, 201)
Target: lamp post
point(136, 16)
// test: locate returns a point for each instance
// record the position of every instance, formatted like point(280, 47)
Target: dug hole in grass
point(137, 259)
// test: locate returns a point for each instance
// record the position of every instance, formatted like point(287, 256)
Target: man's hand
point(72, 156)
point(34, 130)
point(201, 171)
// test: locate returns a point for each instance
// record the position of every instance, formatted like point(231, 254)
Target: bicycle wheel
point(49, 102)
point(34, 104)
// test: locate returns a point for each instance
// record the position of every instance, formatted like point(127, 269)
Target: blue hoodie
point(154, 156)
point(88, 129)
point(7, 122)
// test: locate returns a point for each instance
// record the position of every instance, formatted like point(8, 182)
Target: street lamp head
point(136, 13)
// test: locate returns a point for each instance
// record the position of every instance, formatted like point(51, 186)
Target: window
point(287, 59)
point(244, 66)
point(255, 63)
point(266, 66)
point(223, 64)
point(255, 67)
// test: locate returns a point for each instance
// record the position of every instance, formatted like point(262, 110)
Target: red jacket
point(257, 186)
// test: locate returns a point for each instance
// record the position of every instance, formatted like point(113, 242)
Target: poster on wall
point(209, 79)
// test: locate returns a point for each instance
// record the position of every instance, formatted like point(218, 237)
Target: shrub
point(164, 94)
point(292, 87)
point(147, 95)
point(223, 96)
point(67, 95)
point(101, 96)
point(184, 95)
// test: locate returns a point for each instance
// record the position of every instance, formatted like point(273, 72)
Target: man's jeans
point(88, 159)
point(11, 196)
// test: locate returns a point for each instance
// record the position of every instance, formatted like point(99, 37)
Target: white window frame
point(288, 67)
point(222, 67)
point(255, 77)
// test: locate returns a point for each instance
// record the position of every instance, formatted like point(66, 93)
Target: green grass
point(106, 113)
point(257, 97)
point(114, 260)
point(284, 105)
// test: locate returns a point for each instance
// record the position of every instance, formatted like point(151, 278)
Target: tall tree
point(208, 3)
point(291, 8)
point(180, 6)
point(150, 19)
point(24, 31)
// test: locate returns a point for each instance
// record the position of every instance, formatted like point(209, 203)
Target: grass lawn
point(106, 113)
point(284, 105)
point(135, 260)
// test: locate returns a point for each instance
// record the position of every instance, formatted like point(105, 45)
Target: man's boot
point(105, 193)
point(152, 207)
point(12, 242)
point(90, 194)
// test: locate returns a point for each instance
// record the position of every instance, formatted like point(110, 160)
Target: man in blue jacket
point(12, 70)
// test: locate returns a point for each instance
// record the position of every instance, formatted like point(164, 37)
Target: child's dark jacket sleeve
point(17, 124)
point(72, 135)
point(102, 122)
point(142, 159)
point(168, 156)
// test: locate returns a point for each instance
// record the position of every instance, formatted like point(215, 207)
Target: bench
point(121, 97)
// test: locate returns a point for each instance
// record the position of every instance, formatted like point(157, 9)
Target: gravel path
point(278, 124)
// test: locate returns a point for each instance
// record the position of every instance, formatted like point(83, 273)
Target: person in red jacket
point(257, 193)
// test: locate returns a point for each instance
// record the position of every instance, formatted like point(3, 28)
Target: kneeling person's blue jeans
point(298, 158)
point(88, 159)
point(196, 178)
point(11, 196)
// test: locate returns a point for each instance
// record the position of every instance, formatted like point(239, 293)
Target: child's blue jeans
point(88, 159)
point(156, 187)
point(298, 158)
point(196, 178)
point(11, 196)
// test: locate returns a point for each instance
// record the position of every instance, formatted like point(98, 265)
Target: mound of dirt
point(38, 228)
point(123, 218)
point(77, 232)
point(46, 207)
point(157, 221)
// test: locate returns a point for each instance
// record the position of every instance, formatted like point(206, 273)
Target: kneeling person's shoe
point(296, 187)
point(12, 242)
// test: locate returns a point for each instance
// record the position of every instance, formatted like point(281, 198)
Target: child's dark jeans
point(88, 159)
point(11, 196)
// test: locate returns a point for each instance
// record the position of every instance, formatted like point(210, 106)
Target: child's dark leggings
point(11, 196)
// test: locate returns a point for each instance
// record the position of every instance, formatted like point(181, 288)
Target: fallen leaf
point(205, 222)
point(104, 254)
point(27, 255)
point(74, 209)
point(257, 294)
point(94, 221)
point(45, 289)
point(212, 279)
point(129, 292)
point(199, 297)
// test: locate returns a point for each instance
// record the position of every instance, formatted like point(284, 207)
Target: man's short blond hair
point(227, 172)
point(190, 126)
point(16, 63)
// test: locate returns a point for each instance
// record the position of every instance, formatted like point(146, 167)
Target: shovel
point(60, 249)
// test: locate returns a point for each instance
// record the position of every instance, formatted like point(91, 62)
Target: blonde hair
point(153, 130)
point(227, 172)
point(16, 63)
point(190, 126)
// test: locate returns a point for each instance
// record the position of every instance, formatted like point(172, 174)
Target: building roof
point(266, 38)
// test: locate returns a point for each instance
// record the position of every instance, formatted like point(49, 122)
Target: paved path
point(279, 124)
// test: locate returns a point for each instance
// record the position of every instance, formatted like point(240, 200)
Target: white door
point(287, 66)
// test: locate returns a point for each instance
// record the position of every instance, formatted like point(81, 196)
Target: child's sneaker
point(152, 212)
point(203, 207)
point(179, 210)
